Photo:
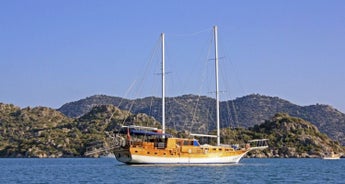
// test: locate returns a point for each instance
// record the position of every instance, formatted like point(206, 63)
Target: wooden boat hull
point(127, 157)
point(179, 151)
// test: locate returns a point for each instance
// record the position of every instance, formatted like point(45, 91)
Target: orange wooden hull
point(147, 153)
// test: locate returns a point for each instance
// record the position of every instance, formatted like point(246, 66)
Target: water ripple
point(110, 171)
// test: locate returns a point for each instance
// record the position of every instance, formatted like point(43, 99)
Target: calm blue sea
point(82, 170)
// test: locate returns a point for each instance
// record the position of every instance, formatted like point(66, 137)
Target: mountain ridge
point(195, 113)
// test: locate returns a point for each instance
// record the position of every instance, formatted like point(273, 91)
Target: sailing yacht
point(147, 145)
point(331, 156)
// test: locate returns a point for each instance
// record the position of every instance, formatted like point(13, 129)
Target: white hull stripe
point(140, 159)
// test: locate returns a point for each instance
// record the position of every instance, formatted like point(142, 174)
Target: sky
point(55, 52)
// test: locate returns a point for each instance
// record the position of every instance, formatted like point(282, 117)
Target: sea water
point(83, 170)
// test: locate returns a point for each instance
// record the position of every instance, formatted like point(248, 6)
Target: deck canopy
point(142, 131)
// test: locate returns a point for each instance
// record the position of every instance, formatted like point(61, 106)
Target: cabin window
point(155, 153)
point(161, 145)
point(136, 151)
point(215, 149)
point(148, 153)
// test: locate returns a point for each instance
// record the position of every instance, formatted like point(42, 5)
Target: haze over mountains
point(196, 113)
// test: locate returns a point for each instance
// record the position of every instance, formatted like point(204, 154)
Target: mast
point(163, 84)
point(215, 32)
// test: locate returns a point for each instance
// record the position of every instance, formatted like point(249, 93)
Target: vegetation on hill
point(295, 137)
point(34, 132)
point(45, 132)
point(196, 113)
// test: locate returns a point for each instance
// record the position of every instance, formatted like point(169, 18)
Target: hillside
point(196, 113)
point(37, 132)
point(295, 137)
point(44, 132)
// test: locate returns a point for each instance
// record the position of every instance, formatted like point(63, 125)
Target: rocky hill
point(37, 132)
point(197, 113)
point(295, 137)
point(44, 132)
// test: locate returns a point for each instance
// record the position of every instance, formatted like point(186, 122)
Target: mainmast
point(215, 31)
point(163, 84)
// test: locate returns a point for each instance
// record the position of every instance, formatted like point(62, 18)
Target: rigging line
point(151, 102)
point(233, 115)
point(121, 101)
point(235, 112)
point(232, 65)
point(190, 34)
point(204, 77)
point(127, 92)
point(147, 68)
point(144, 74)
point(228, 60)
point(229, 117)
point(129, 89)
point(236, 123)
point(209, 112)
point(194, 112)
point(186, 124)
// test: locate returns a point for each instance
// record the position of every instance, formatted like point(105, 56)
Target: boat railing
point(204, 135)
point(140, 127)
point(258, 144)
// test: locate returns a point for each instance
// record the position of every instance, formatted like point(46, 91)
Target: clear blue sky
point(54, 52)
